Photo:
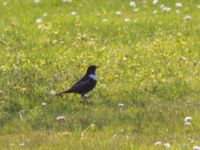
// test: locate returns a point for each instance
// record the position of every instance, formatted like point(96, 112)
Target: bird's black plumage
point(85, 84)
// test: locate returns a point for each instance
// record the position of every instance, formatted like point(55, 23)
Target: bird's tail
point(61, 93)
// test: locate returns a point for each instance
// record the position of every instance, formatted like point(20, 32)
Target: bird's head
point(91, 69)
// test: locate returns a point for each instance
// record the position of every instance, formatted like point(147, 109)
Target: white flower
point(177, 11)
point(36, 1)
point(196, 147)
point(53, 92)
point(118, 13)
point(198, 6)
point(60, 118)
point(132, 4)
point(167, 9)
point(187, 17)
point(44, 104)
point(121, 105)
point(155, 2)
point(167, 145)
point(38, 20)
point(67, 1)
point(127, 19)
point(187, 119)
point(178, 4)
point(158, 143)
point(73, 13)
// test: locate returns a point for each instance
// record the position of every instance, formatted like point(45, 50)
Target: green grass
point(151, 64)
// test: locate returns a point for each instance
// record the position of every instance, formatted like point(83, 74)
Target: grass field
point(149, 79)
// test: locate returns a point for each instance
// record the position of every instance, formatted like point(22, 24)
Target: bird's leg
point(85, 99)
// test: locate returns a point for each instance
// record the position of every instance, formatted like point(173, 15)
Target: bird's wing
point(84, 82)
point(79, 86)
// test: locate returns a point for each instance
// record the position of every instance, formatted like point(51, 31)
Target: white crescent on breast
point(93, 76)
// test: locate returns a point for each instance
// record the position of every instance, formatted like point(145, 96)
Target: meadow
point(148, 91)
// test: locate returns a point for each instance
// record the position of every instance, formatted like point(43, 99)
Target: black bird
point(85, 84)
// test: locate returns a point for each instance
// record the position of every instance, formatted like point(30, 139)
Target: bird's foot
point(85, 99)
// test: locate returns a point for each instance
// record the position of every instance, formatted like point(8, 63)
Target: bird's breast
point(93, 76)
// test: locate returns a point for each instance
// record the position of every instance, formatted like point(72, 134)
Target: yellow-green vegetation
point(149, 79)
